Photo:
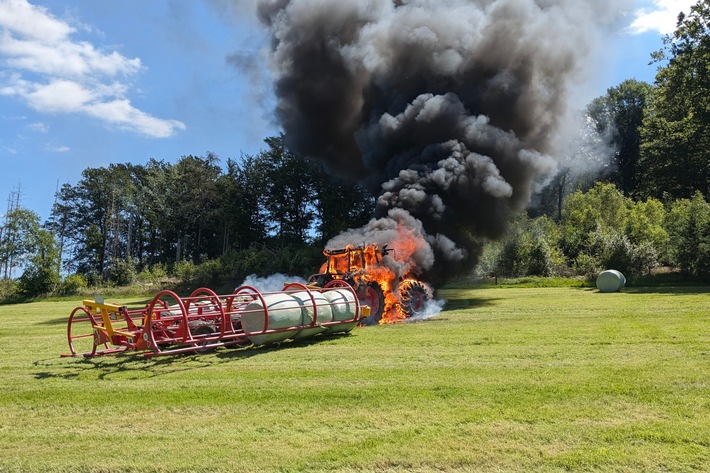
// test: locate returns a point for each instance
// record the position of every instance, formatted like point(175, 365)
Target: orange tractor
point(389, 296)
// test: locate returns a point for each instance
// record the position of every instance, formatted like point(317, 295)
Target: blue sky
point(86, 83)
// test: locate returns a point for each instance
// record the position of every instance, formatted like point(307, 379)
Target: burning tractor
point(390, 297)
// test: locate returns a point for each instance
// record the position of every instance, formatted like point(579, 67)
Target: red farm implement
point(170, 324)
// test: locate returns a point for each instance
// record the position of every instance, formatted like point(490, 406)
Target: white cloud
point(38, 127)
point(121, 113)
point(59, 96)
point(63, 58)
point(54, 148)
point(32, 21)
point(660, 16)
point(53, 73)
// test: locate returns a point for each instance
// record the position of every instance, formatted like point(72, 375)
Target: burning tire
point(413, 296)
point(372, 295)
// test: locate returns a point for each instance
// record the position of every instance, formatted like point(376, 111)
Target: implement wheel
point(80, 333)
point(196, 330)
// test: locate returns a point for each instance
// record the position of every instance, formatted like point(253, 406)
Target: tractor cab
point(376, 285)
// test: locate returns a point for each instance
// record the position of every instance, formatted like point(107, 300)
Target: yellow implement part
point(124, 333)
point(106, 310)
point(99, 306)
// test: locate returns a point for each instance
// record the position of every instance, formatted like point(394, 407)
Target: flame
point(386, 265)
point(407, 243)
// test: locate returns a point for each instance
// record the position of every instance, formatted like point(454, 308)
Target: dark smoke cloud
point(448, 109)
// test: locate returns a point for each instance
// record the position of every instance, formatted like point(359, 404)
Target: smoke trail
point(272, 283)
point(448, 109)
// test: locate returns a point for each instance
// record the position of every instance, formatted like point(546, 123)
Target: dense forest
point(212, 222)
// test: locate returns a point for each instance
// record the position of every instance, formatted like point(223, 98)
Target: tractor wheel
point(323, 279)
point(413, 296)
point(372, 295)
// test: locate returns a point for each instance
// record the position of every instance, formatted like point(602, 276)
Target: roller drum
point(284, 311)
point(344, 307)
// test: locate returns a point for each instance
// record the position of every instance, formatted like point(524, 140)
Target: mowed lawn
point(550, 379)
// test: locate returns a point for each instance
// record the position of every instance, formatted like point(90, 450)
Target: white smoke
point(273, 283)
point(432, 308)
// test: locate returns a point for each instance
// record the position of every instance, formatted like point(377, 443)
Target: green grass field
point(515, 379)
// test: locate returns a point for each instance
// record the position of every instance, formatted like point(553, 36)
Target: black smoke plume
point(450, 110)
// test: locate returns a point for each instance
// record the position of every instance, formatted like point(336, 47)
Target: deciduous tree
point(675, 150)
point(618, 116)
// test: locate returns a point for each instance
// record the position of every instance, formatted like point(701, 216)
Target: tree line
point(203, 221)
point(661, 133)
point(602, 229)
point(269, 211)
point(193, 210)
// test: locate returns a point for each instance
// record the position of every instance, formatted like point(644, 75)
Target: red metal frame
point(170, 324)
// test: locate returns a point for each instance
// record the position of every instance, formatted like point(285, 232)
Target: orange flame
point(407, 243)
point(386, 267)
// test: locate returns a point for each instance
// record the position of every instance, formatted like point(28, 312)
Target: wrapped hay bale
point(610, 280)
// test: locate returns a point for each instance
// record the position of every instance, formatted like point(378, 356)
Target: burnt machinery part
point(320, 279)
point(371, 295)
point(413, 296)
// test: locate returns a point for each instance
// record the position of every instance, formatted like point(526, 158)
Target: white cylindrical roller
point(322, 311)
point(284, 312)
point(344, 307)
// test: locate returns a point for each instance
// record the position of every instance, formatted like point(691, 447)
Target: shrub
point(8, 290)
point(73, 284)
point(152, 274)
point(122, 272)
point(645, 257)
point(488, 261)
point(37, 281)
point(208, 273)
point(603, 207)
point(688, 224)
point(530, 249)
point(511, 259)
point(540, 259)
point(586, 265)
point(614, 250)
point(185, 270)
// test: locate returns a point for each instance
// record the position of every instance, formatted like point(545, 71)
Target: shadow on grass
point(251, 350)
point(57, 321)
point(124, 364)
point(671, 291)
point(458, 303)
point(134, 365)
point(667, 290)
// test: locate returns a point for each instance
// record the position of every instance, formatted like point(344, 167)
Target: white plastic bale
point(610, 281)
point(344, 307)
point(323, 312)
point(623, 278)
point(284, 311)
